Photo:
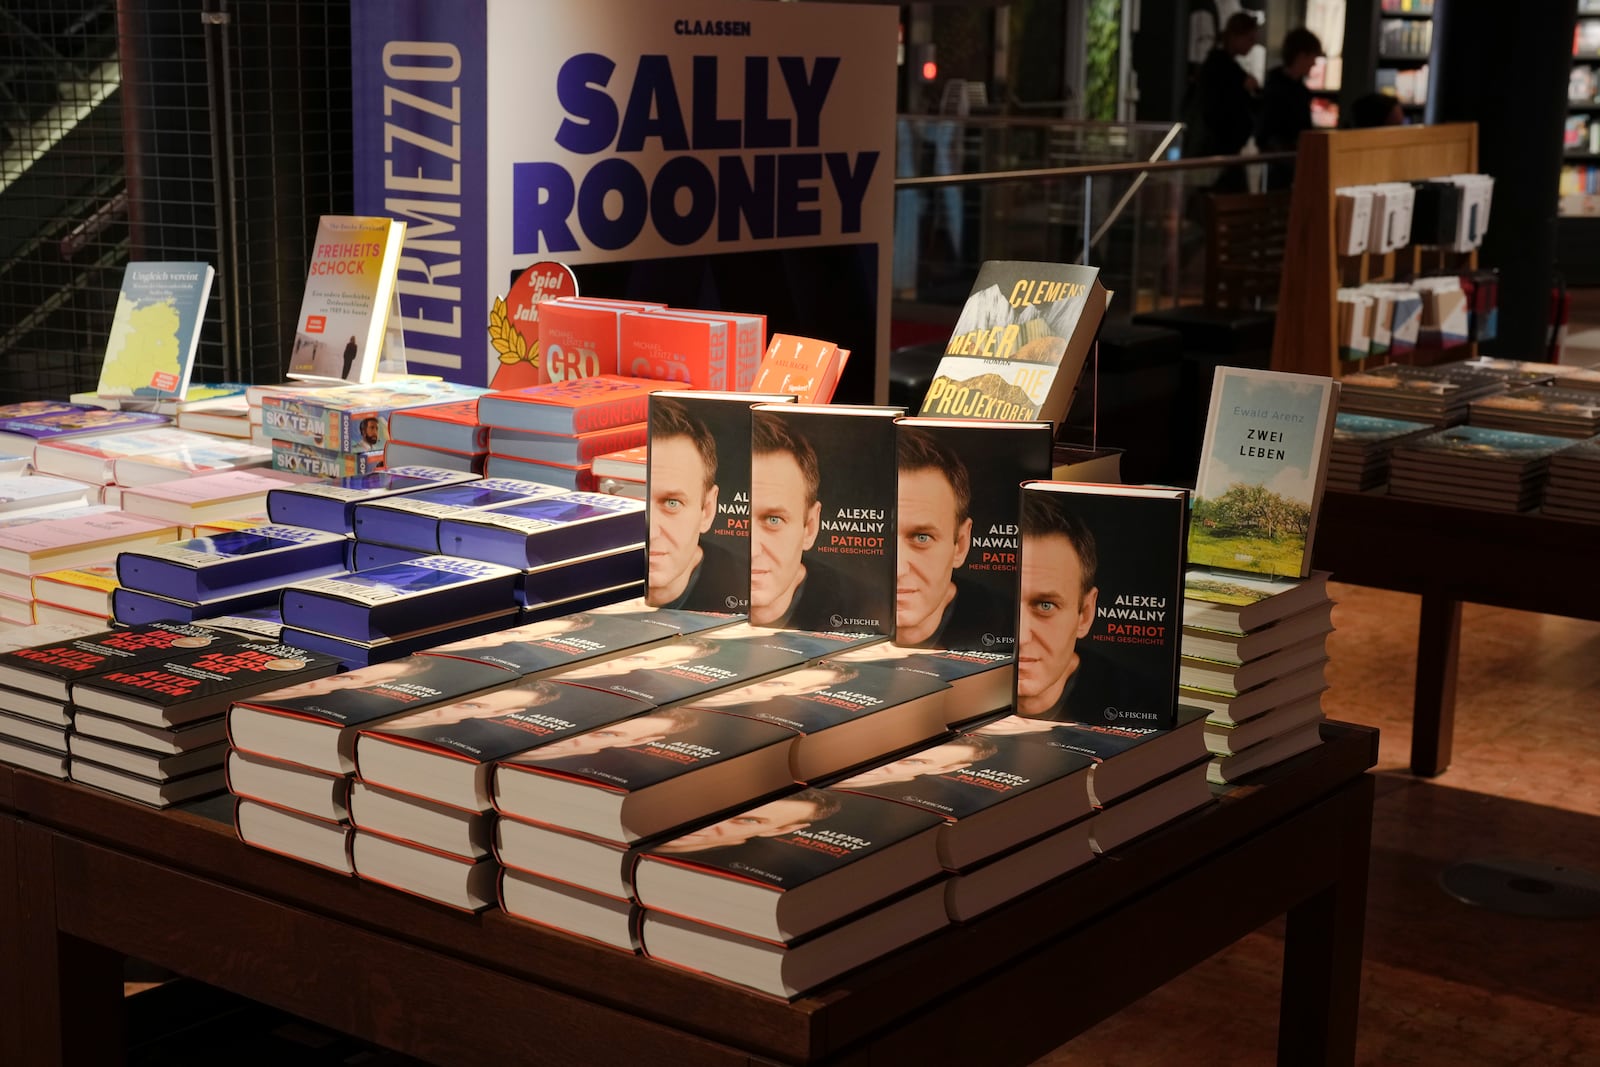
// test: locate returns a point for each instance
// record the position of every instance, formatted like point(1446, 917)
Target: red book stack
point(446, 435)
point(552, 433)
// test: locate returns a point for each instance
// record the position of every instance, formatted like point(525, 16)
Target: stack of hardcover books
point(75, 594)
point(552, 433)
point(1573, 489)
point(292, 761)
point(332, 506)
point(1255, 653)
point(1474, 467)
point(232, 571)
point(790, 894)
point(622, 473)
point(225, 497)
point(1436, 395)
point(1361, 444)
point(225, 413)
point(69, 539)
point(25, 425)
point(1255, 616)
point(137, 711)
point(448, 436)
point(341, 432)
point(1540, 409)
point(123, 460)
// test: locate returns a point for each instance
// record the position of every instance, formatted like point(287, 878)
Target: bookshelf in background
point(1326, 19)
point(1405, 48)
point(1580, 171)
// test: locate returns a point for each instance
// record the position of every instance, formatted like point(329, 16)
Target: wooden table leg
point(1433, 717)
point(11, 969)
point(1322, 949)
point(68, 993)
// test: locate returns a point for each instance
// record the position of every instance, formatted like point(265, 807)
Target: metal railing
point(1141, 221)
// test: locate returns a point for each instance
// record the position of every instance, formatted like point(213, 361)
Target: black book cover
point(959, 508)
point(971, 772)
point(797, 838)
point(501, 722)
point(1101, 596)
point(823, 694)
point(212, 673)
point(947, 664)
point(383, 689)
point(807, 644)
point(822, 518)
point(682, 620)
point(567, 640)
point(698, 491)
point(1098, 742)
point(81, 657)
point(680, 741)
point(688, 668)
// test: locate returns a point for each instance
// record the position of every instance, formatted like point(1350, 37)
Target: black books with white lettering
point(980, 682)
point(1263, 467)
point(331, 506)
point(1101, 592)
point(186, 687)
point(400, 598)
point(550, 529)
point(48, 670)
point(446, 753)
point(844, 714)
point(822, 518)
point(794, 865)
point(958, 515)
point(1126, 758)
point(698, 491)
point(1020, 343)
point(689, 668)
point(315, 724)
point(625, 787)
point(232, 562)
point(995, 790)
point(790, 970)
point(566, 641)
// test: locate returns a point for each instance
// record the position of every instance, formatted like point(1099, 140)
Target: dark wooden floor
point(1445, 983)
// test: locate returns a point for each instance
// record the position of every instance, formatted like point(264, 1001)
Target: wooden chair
point(1245, 238)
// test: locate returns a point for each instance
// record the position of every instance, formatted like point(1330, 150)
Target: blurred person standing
point(1286, 103)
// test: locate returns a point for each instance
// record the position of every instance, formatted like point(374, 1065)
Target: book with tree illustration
point(1263, 466)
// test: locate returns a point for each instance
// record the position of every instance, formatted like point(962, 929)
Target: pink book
point(226, 495)
point(71, 542)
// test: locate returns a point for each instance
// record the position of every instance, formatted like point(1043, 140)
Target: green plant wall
point(1101, 60)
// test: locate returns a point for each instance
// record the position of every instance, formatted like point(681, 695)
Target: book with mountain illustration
point(1020, 343)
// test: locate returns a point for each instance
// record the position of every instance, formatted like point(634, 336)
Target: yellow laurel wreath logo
point(507, 340)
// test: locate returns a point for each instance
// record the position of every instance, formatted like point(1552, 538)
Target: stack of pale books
point(1541, 409)
point(1573, 488)
point(119, 462)
point(1437, 395)
point(1474, 467)
point(1254, 654)
point(139, 711)
point(1359, 458)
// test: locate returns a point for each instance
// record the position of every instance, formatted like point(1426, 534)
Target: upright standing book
point(956, 548)
point(1263, 467)
point(698, 490)
point(1101, 594)
point(350, 286)
point(1020, 344)
point(155, 331)
point(822, 517)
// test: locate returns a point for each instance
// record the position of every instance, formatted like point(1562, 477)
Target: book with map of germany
point(156, 330)
point(1020, 343)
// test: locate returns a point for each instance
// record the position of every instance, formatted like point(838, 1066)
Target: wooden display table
point(89, 878)
point(1452, 555)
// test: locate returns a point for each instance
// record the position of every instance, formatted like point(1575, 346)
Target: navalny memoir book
point(1020, 343)
point(314, 724)
point(566, 641)
point(822, 518)
point(698, 489)
point(1263, 466)
point(956, 550)
point(156, 330)
point(399, 599)
point(1101, 596)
